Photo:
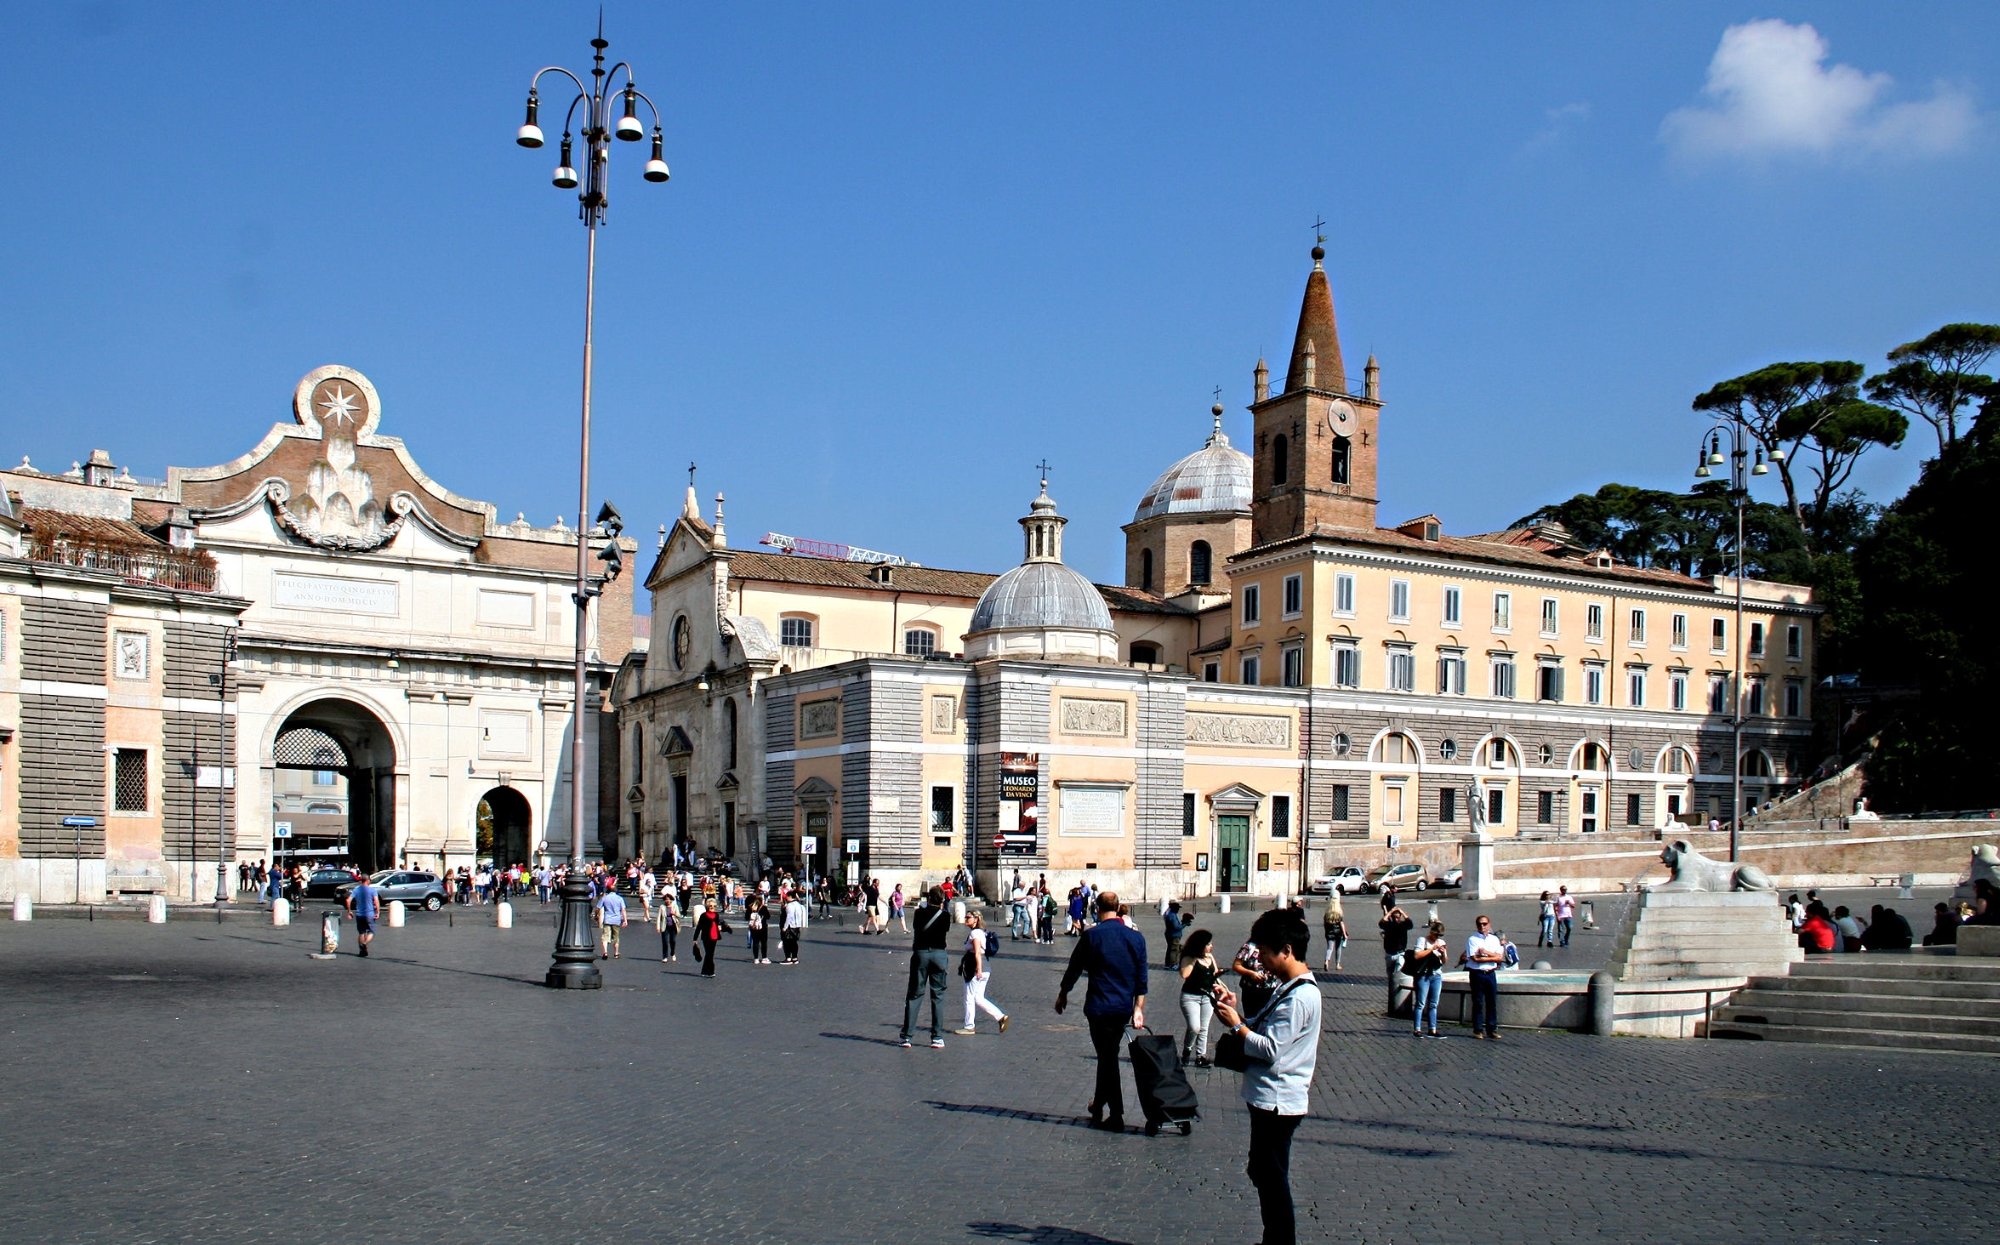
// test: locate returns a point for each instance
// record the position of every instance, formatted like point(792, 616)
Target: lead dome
point(1042, 608)
point(1214, 479)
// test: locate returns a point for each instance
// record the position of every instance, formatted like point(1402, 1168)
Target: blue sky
point(909, 251)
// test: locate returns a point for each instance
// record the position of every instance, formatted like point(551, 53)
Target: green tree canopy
point(1939, 375)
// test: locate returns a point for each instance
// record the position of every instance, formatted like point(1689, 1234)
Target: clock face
point(1340, 418)
point(683, 641)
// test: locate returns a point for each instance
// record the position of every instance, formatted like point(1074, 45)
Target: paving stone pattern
point(204, 1081)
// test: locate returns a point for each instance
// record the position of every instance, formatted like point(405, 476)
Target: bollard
point(1589, 915)
point(1430, 911)
point(1603, 1003)
point(958, 912)
point(329, 934)
point(281, 912)
point(396, 913)
point(24, 908)
point(503, 915)
point(1222, 903)
point(156, 910)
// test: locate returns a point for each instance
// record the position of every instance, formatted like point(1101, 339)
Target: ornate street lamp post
point(592, 107)
point(1709, 454)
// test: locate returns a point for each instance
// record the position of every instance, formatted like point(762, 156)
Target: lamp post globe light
point(1709, 455)
point(589, 117)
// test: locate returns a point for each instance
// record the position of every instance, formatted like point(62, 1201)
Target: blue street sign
point(81, 823)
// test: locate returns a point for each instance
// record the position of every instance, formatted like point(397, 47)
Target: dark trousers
point(1107, 1034)
point(667, 940)
point(1270, 1171)
point(1485, 1000)
point(1173, 959)
point(760, 944)
point(789, 938)
point(927, 975)
point(707, 951)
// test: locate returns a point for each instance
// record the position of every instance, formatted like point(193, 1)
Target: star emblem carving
point(339, 404)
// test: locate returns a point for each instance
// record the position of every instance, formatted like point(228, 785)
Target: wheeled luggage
point(1164, 1093)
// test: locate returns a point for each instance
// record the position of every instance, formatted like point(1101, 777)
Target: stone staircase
point(1931, 999)
point(1681, 935)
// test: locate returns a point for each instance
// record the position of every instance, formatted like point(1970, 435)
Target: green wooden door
point(1232, 853)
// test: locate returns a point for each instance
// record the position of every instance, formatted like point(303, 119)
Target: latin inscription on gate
point(1239, 730)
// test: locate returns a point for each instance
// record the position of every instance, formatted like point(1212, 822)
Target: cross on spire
point(1319, 229)
point(690, 474)
point(1043, 467)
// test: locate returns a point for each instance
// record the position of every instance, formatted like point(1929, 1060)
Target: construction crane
point(831, 551)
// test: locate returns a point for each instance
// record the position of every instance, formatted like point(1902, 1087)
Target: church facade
point(1280, 682)
point(312, 651)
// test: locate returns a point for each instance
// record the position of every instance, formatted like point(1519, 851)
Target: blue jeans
point(1430, 988)
point(1547, 938)
point(1020, 928)
point(1485, 1000)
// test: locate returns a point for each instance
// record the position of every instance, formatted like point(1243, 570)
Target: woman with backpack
point(975, 968)
point(1336, 932)
point(1425, 964)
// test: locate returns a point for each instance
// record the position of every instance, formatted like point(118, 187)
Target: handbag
point(1230, 1053)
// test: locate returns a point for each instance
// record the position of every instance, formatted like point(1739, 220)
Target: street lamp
point(221, 768)
point(1741, 467)
point(575, 965)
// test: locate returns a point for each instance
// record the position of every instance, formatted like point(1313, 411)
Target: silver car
point(414, 887)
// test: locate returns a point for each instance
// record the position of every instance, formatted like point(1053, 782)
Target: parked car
point(1451, 878)
point(1346, 879)
point(328, 883)
point(409, 885)
point(1408, 875)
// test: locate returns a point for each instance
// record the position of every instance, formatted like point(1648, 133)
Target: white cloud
point(1557, 124)
point(1770, 92)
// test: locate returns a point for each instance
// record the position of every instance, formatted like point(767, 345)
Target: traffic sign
point(80, 823)
point(281, 829)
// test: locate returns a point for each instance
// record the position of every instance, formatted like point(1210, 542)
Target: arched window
point(1146, 569)
point(1281, 459)
point(1342, 453)
point(1198, 562)
point(1396, 748)
point(1756, 764)
point(1678, 761)
point(729, 733)
point(1592, 757)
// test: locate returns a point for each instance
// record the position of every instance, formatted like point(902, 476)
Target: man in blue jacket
point(1114, 954)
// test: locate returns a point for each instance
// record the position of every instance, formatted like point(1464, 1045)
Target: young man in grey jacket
point(1282, 1044)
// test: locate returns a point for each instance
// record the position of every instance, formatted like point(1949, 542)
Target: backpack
point(992, 943)
point(1513, 959)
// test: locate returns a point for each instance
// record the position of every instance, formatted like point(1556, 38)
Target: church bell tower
point(1317, 439)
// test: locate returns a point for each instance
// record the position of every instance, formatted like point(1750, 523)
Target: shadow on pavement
point(1046, 1234)
point(1012, 1113)
point(862, 1037)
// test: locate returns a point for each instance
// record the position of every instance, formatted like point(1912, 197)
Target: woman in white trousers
point(972, 967)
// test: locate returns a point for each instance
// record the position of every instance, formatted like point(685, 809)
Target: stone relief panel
point(819, 719)
point(944, 714)
point(1092, 717)
point(1240, 730)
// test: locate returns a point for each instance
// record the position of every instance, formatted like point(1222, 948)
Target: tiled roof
point(1521, 548)
point(85, 527)
point(787, 568)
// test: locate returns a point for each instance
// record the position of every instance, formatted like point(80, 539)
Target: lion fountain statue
point(1695, 872)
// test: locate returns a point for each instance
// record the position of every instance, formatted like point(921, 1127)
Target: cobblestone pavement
point(197, 1081)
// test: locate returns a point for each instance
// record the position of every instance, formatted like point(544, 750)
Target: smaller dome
point(1214, 479)
point(1041, 595)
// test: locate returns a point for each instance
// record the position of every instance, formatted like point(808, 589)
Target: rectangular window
point(1496, 807)
point(919, 642)
point(1402, 670)
point(1795, 641)
point(1593, 621)
point(1503, 611)
point(1795, 698)
point(1635, 686)
point(1346, 664)
point(1451, 673)
point(1252, 671)
point(1503, 677)
point(1343, 594)
point(1593, 683)
point(1448, 804)
point(1756, 639)
point(1679, 638)
point(1550, 615)
point(1677, 690)
point(1451, 607)
point(1632, 811)
point(795, 632)
point(1253, 606)
point(1211, 672)
point(1545, 808)
point(1281, 817)
point(1718, 636)
point(1756, 707)
point(1548, 681)
point(943, 802)
point(1638, 626)
point(129, 781)
point(1392, 804)
point(1399, 600)
point(1294, 596)
point(1339, 812)
point(1718, 693)
point(1292, 665)
point(1187, 814)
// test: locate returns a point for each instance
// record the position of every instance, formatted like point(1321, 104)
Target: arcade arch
point(348, 754)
